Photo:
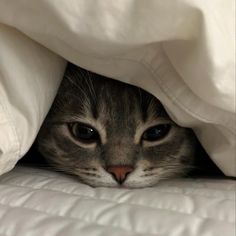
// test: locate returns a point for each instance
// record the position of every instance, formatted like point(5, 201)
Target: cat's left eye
point(156, 133)
point(83, 132)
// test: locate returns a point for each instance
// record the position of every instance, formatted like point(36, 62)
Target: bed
point(181, 51)
point(40, 202)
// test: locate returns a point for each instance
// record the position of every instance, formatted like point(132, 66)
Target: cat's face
point(108, 133)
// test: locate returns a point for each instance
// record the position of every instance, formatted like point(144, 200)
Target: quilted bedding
point(36, 202)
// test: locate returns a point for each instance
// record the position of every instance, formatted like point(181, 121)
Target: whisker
point(87, 168)
point(90, 174)
point(147, 175)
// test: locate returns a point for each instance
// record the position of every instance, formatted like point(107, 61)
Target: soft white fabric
point(35, 202)
point(29, 78)
point(182, 51)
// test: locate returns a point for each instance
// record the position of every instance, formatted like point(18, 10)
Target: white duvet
point(36, 202)
point(182, 51)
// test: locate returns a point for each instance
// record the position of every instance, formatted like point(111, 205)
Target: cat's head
point(108, 133)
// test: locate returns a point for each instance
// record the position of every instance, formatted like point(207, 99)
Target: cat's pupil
point(156, 133)
point(84, 133)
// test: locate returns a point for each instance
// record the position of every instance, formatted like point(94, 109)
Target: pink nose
point(120, 172)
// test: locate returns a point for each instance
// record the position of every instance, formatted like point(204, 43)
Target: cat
point(111, 134)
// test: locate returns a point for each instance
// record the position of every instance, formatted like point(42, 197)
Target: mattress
point(38, 202)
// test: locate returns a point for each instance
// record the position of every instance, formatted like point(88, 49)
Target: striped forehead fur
point(98, 96)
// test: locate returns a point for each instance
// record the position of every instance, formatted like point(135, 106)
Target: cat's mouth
point(142, 175)
point(132, 181)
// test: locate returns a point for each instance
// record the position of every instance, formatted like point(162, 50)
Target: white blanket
point(182, 51)
point(35, 202)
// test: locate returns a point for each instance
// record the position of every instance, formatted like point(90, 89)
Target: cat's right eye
point(83, 133)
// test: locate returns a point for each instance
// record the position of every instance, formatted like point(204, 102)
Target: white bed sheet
point(36, 202)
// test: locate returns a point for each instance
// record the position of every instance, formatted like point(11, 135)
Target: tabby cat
point(108, 133)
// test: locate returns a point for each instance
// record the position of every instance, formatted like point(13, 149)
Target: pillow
point(180, 51)
point(29, 77)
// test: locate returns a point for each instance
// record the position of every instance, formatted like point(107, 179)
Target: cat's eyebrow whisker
point(90, 86)
point(86, 103)
point(75, 84)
